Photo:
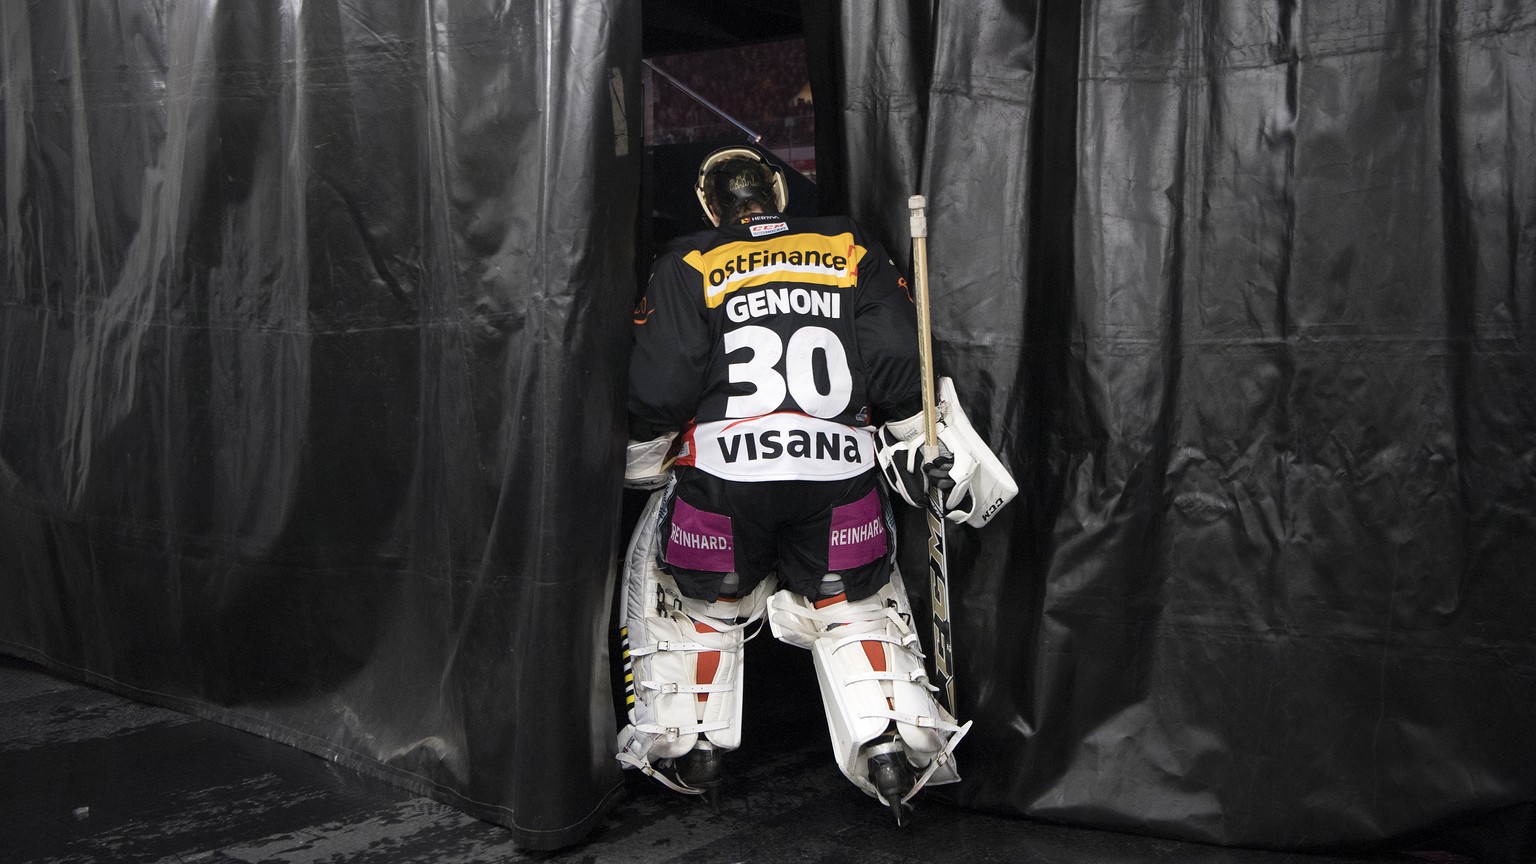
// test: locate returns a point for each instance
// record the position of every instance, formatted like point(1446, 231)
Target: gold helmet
point(731, 177)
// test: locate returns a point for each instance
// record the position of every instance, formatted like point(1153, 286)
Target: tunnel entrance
point(717, 74)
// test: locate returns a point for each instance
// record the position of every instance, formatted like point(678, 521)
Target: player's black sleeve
point(671, 351)
point(885, 324)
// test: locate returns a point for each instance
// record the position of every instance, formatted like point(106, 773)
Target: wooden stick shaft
point(943, 657)
point(919, 221)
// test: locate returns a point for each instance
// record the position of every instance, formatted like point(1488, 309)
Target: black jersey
point(773, 343)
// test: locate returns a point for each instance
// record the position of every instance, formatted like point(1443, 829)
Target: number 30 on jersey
point(798, 380)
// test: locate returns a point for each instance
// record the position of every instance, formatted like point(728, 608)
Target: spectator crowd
point(763, 86)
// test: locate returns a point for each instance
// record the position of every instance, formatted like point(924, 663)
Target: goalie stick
point(938, 562)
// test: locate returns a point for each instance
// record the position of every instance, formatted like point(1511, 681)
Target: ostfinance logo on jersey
point(810, 259)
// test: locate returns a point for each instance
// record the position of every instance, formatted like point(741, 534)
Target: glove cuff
point(913, 426)
point(908, 428)
point(645, 462)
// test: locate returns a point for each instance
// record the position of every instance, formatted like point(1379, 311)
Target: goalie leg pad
point(870, 670)
point(683, 660)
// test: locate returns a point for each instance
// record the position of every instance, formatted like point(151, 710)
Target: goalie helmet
point(732, 177)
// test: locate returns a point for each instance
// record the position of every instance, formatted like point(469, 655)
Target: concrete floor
point(87, 776)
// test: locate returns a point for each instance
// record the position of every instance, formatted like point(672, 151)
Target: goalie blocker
point(974, 482)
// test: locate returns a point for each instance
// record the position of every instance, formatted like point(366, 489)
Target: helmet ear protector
point(727, 176)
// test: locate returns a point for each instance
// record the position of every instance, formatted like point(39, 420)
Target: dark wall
point(1243, 292)
point(311, 342)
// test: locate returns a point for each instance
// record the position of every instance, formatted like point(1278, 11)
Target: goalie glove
point(646, 465)
point(972, 481)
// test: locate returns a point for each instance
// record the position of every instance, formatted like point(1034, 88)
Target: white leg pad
point(870, 668)
point(667, 639)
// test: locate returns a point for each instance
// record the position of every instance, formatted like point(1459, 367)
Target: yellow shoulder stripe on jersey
point(810, 259)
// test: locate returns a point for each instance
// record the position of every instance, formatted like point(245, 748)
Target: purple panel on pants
point(700, 540)
point(858, 533)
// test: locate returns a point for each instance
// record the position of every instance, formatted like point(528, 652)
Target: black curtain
point(1245, 293)
point(311, 351)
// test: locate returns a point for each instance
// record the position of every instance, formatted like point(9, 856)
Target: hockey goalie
point(775, 404)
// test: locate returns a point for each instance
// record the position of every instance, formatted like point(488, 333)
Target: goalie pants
point(800, 530)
